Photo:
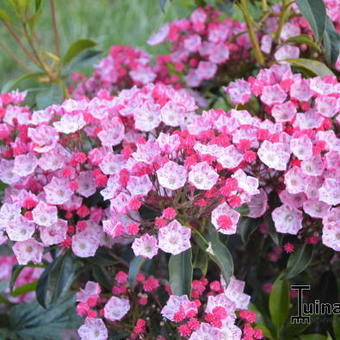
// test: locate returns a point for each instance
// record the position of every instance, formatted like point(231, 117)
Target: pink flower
point(44, 214)
point(218, 215)
point(287, 220)
point(176, 304)
point(274, 155)
point(116, 308)
point(29, 250)
point(174, 238)
point(58, 191)
point(172, 175)
point(145, 246)
point(202, 176)
point(25, 165)
point(93, 329)
point(54, 234)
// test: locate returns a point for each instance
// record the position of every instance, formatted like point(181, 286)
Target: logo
point(306, 310)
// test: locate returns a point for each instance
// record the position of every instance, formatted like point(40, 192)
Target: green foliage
point(180, 273)
point(52, 94)
point(299, 260)
point(29, 321)
point(279, 303)
point(76, 48)
point(134, 268)
point(56, 279)
point(315, 67)
point(315, 13)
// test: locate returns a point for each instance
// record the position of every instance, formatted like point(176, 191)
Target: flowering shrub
point(140, 209)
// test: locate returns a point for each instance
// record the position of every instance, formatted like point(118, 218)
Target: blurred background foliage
point(107, 22)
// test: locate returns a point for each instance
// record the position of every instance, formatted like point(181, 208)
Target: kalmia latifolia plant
point(179, 197)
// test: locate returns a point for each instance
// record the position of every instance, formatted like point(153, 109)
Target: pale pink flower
point(58, 191)
point(70, 123)
point(116, 308)
point(172, 175)
point(20, 229)
point(202, 176)
point(93, 329)
point(174, 238)
point(44, 138)
point(29, 250)
point(91, 289)
point(145, 246)
point(287, 220)
point(54, 234)
point(84, 244)
point(274, 155)
point(25, 165)
point(44, 214)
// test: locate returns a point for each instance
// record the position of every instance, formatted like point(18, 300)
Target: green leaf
point(180, 273)
point(336, 326)
point(8, 86)
point(162, 4)
point(201, 260)
point(103, 276)
point(220, 254)
point(76, 48)
point(315, 13)
point(268, 221)
point(246, 226)
point(303, 39)
point(279, 303)
point(31, 321)
point(299, 260)
point(49, 96)
point(312, 337)
point(313, 66)
point(134, 268)
point(16, 270)
point(331, 42)
point(293, 329)
point(57, 279)
point(26, 288)
point(38, 5)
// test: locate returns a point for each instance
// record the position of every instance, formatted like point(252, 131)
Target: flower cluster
point(212, 311)
point(204, 46)
point(300, 147)
point(124, 67)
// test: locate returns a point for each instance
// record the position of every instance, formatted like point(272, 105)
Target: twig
point(55, 28)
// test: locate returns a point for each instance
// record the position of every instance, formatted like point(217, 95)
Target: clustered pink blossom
point(213, 309)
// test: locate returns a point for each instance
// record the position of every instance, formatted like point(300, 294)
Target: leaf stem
point(17, 60)
point(55, 28)
point(243, 5)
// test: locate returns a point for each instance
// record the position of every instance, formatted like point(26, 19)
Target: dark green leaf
point(56, 279)
point(16, 270)
point(312, 337)
point(26, 288)
point(279, 303)
point(331, 42)
point(134, 268)
point(31, 321)
point(201, 260)
point(336, 326)
point(268, 221)
point(103, 276)
point(76, 48)
point(180, 273)
point(246, 226)
point(220, 254)
point(315, 13)
point(48, 96)
point(83, 60)
point(8, 86)
point(299, 260)
point(293, 329)
point(303, 39)
point(315, 67)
